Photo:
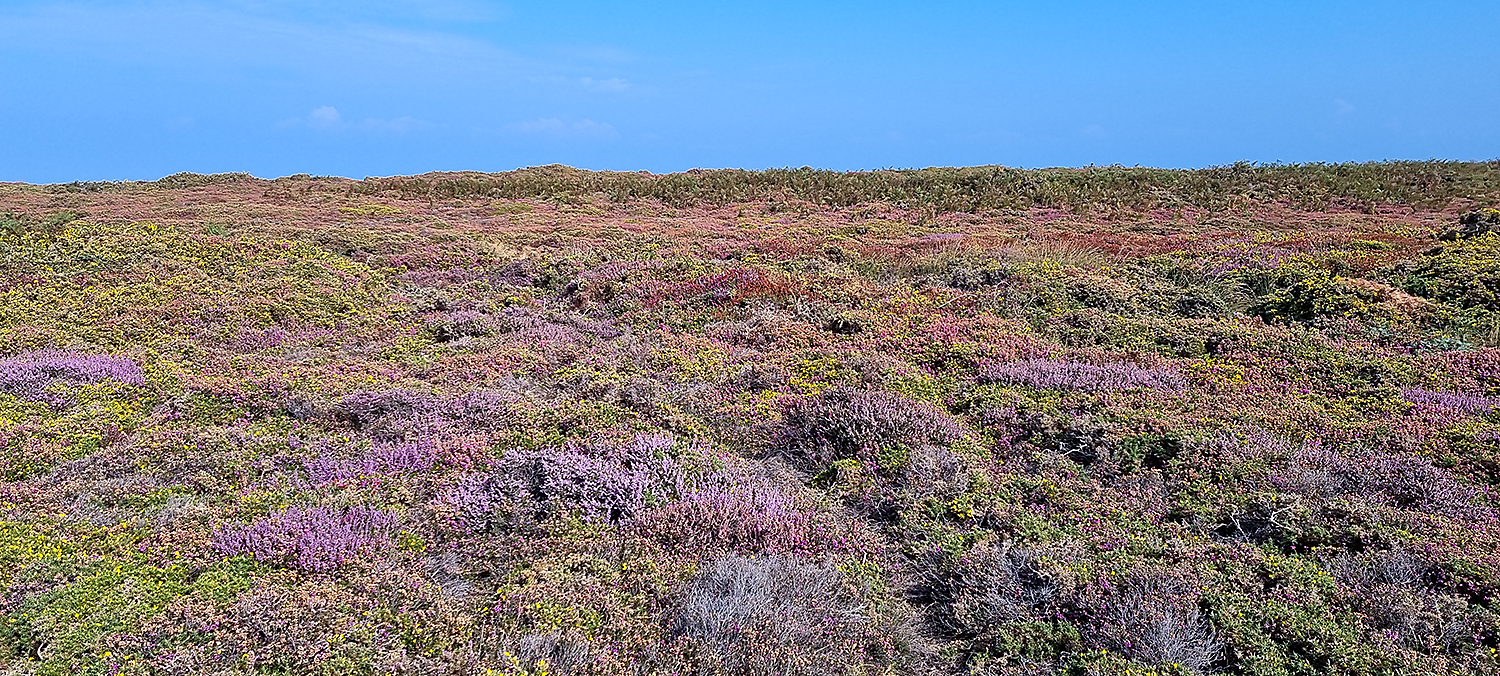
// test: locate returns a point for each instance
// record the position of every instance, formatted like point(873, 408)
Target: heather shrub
point(1103, 293)
point(1451, 402)
point(482, 411)
point(871, 425)
point(640, 394)
point(759, 377)
point(400, 415)
point(1006, 417)
point(315, 627)
point(1390, 588)
point(746, 518)
point(778, 615)
point(450, 326)
point(382, 459)
point(1321, 472)
point(1423, 621)
point(316, 539)
point(694, 510)
point(45, 375)
point(1072, 375)
point(609, 483)
point(365, 410)
point(971, 277)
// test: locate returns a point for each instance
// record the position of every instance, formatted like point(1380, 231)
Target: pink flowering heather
point(1056, 374)
point(1453, 402)
point(609, 483)
point(45, 375)
point(382, 460)
point(661, 498)
point(316, 539)
point(731, 513)
point(848, 423)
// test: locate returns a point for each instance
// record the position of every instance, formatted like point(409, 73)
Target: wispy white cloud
point(613, 84)
point(276, 50)
point(328, 118)
point(556, 128)
point(195, 35)
point(467, 11)
point(597, 54)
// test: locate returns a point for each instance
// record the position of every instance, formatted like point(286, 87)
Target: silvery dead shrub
point(1002, 583)
point(976, 597)
point(773, 615)
point(1389, 588)
point(1155, 620)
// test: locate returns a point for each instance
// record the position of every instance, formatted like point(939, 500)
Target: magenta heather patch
point(310, 538)
point(449, 326)
point(1451, 402)
point(724, 515)
point(43, 375)
point(402, 415)
point(1056, 374)
point(1322, 472)
point(382, 460)
point(599, 482)
point(633, 483)
point(847, 423)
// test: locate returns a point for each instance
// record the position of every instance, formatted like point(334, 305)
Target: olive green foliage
point(1317, 186)
point(1317, 293)
point(1465, 273)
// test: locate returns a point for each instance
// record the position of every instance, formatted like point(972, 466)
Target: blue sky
point(96, 89)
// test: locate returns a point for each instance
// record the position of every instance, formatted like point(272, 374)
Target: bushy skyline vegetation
point(1241, 420)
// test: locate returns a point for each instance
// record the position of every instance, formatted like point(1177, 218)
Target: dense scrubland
point(1242, 420)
